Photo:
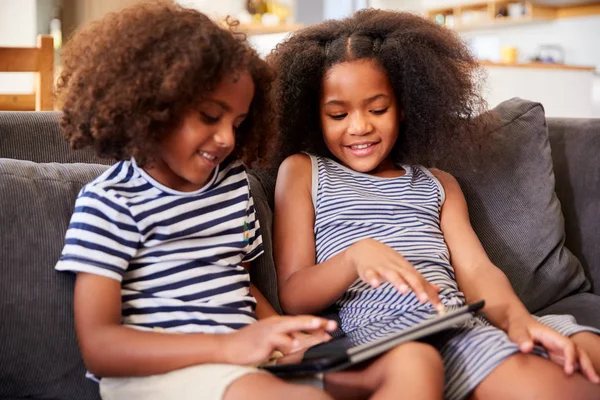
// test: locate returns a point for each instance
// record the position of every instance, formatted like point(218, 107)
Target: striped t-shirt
point(178, 255)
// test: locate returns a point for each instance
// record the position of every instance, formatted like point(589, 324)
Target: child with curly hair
point(363, 226)
point(161, 241)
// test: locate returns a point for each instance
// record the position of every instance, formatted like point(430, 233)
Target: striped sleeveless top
point(401, 212)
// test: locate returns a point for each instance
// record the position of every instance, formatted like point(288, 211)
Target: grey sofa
point(514, 201)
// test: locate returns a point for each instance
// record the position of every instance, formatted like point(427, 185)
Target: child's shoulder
point(295, 171)
point(295, 161)
point(296, 166)
point(444, 177)
point(115, 182)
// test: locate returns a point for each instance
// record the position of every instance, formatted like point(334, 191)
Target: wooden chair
point(38, 59)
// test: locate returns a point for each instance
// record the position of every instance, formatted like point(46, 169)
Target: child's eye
point(379, 112)
point(209, 119)
point(338, 117)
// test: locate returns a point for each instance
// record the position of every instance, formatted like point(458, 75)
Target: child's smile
point(363, 148)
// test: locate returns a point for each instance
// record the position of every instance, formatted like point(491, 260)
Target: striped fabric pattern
point(178, 255)
point(404, 213)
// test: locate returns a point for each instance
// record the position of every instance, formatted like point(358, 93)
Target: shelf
point(483, 14)
point(538, 65)
point(500, 23)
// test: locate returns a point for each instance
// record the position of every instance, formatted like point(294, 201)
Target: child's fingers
point(372, 278)
point(314, 338)
point(521, 336)
point(283, 342)
point(587, 367)
point(424, 290)
point(396, 280)
point(304, 323)
point(418, 285)
point(434, 297)
point(554, 341)
point(570, 356)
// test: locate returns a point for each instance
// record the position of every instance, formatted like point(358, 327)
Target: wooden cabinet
point(485, 14)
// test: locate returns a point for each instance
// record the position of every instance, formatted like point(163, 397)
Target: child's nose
point(358, 124)
point(225, 137)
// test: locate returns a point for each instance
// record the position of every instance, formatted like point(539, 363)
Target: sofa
point(534, 203)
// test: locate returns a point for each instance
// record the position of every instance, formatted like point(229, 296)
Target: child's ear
point(401, 114)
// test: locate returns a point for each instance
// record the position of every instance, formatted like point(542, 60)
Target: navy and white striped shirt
point(178, 255)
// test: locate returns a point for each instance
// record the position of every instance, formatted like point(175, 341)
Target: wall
point(564, 93)
point(577, 36)
point(216, 9)
point(17, 29)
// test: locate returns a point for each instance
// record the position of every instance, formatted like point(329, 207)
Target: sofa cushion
point(39, 357)
point(262, 270)
point(36, 136)
point(575, 147)
point(583, 306)
point(514, 209)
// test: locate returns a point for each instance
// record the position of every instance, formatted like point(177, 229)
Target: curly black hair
point(128, 79)
point(435, 78)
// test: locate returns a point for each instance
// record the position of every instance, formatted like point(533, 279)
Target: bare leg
point(525, 376)
point(262, 386)
point(590, 342)
point(413, 369)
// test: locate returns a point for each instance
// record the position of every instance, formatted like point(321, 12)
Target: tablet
point(367, 342)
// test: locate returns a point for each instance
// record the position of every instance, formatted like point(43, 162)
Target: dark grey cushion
point(262, 270)
point(515, 212)
point(36, 136)
point(575, 147)
point(39, 356)
point(585, 307)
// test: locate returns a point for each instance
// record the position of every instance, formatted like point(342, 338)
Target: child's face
point(205, 137)
point(359, 115)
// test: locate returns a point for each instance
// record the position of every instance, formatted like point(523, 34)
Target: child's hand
point(525, 331)
point(305, 340)
point(254, 343)
point(376, 263)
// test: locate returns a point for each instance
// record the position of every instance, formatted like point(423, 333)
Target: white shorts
point(206, 382)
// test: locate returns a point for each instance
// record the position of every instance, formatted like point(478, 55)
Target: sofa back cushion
point(39, 357)
point(575, 147)
point(515, 211)
point(36, 136)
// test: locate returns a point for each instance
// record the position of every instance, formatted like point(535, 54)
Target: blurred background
point(542, 50)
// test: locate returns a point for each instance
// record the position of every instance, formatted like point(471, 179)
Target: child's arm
point(308, 288)
point(479, 279)
point(264, 309)
point(111, 349)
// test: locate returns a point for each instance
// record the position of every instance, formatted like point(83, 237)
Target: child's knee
point(308, 392)
point(530, 376)
point(266, 387)
point(416, 355)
